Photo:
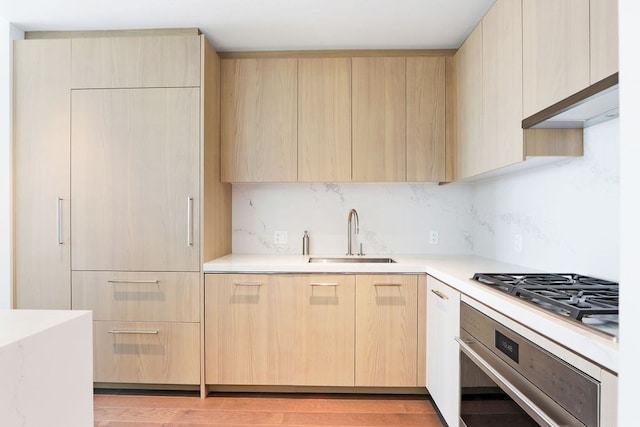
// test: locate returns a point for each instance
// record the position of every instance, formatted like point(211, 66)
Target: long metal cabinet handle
point(324, 284)
point(189, 221)
point(397, 285)
point(130, 332)
point(247, 283)
point(59, 220)
point(439, 294)
point(131, 281)
point(503, 382)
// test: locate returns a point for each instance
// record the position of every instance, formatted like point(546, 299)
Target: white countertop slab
point(456, 271)
point(46, 368)
point(16, 325)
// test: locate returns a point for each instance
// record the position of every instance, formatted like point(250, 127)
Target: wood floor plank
point(359, 419)
point(313, 404)
point(157, 401)
point(264, 410)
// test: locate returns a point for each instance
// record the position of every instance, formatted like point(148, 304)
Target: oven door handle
point(532, 409)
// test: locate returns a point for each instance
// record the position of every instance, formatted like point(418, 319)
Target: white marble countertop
point(46, 367)
point(16, 325)
point(456, 271)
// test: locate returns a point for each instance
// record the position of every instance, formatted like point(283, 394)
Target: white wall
point(395, 218)
point(630, 211)
point(8, 33)
point(567, 213)
point(5, 165)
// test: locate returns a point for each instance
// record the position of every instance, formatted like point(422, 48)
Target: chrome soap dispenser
point(305, 243)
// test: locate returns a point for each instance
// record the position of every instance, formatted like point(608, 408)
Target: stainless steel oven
point(507, 380)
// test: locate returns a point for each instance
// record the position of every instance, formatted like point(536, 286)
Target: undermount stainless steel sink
point(352, 259)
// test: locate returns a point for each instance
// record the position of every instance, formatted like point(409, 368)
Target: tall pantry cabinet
point(132, 193)
point(42, 256)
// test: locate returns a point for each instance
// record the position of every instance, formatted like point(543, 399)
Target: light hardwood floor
point(242, 410)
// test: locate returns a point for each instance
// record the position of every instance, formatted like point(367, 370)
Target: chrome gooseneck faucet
point(352, 214)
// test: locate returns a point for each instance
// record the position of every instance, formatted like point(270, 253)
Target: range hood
point(595, 104)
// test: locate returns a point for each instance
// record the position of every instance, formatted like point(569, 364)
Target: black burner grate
point(575, 295)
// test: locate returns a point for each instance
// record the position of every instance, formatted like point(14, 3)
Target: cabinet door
point(42, 106)
point(443, 368)
point(324, 333)
point(468, 135)
point(604, 38)
point(135, 171)
point(426, 145)
point(386, 330)
point(127, 62)
point(249, 329)
point(502, 85)
point(555, 42)
point(259, 121)
point(324, 119)
point(379, 119)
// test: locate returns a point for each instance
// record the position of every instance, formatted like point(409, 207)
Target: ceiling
point(240, 25)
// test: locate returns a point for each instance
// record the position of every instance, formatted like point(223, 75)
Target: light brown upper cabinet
point(259, 122)
point(334, 119)
point(468, 101)
point(426, 119)
point(324, 119)
point(42, 249)
point(604, 38)
point(489, 98)
point(556, 59)
point(502, 85)
point(379, 119)
point(123, 62)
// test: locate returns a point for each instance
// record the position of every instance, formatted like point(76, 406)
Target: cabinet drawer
point(137, 296)
point(149, 352)
point(127, 62)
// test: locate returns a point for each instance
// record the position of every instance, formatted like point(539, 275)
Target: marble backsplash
point(395, 218)
point(566, 214)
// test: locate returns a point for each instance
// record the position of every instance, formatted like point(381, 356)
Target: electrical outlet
point(280, 237)
point(517, 243)
point(433, 237)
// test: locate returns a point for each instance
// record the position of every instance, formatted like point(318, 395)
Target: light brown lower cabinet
point(249, 329)
point(279, 329)
point(146, 352)
point(386, 330)
point(324, 333)
point(146, 325)
point(312, 330)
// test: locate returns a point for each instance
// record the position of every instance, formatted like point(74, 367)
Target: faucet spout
point(352, 214)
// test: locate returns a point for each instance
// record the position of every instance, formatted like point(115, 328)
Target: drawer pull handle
point(396, 285)
point(247, 283)
point(131, 281)
point(439, 294)
point(324, 284)
point(129, 332)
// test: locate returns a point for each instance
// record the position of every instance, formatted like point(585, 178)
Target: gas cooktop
point(590, 301)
